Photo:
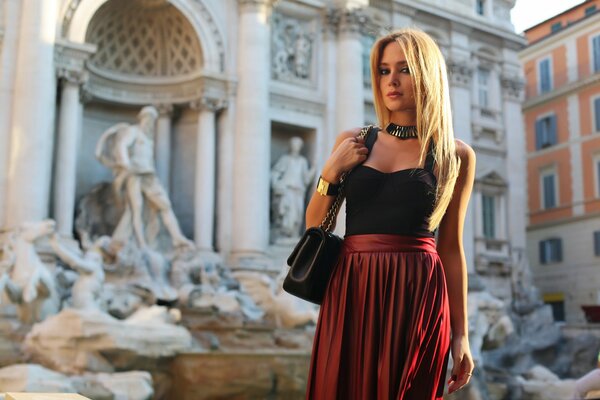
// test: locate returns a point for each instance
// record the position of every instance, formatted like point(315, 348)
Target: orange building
point(562, 124)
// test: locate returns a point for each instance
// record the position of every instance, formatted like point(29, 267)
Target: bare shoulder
point(465, 152)
point(350, 133)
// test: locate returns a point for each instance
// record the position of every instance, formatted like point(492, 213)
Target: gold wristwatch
point(325, 188)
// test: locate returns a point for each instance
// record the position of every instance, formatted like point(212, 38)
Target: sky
point(527, 13)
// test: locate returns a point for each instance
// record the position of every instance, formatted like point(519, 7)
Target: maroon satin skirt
point(384, 324)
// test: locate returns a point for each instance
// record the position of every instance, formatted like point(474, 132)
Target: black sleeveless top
point(398, 203)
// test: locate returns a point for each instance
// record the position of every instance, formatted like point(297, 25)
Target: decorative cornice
point(512, 87)
point(351, 21)
point(562, 91)
point(70, 62)
point(331, 21)
point(208, 104)
point(72, 76)
point(164, 109)
point(459, 73)
point(254, 5)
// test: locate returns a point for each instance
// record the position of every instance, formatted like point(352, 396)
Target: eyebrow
point(399, 62)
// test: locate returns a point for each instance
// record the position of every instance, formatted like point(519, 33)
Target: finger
point(458, 383)
point(363, 150)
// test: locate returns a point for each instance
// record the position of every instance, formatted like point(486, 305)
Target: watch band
point(325, 188)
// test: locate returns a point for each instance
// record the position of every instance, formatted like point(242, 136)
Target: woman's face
point(395, 81)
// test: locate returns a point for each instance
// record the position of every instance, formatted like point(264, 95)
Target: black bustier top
point(398, 203)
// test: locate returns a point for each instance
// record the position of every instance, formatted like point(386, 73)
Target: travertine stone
point(45, 396)
point(74, 341)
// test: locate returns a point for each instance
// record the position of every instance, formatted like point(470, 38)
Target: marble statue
point(282, 308)
point(590, 382)
point(88, 286)
point(290, 176)
point(27, 281)
point(129, 151)
point(303, 53)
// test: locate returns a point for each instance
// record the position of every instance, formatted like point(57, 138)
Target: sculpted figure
point(290, 177)
point(88, 286)
point(26, 279)
point(129, 151)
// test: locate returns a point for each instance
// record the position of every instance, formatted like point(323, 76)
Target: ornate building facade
point(562, 122)
point(233, 81)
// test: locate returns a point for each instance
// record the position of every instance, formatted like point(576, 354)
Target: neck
point(404, 118)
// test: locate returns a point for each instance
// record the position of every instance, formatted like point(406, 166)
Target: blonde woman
point(395, 307)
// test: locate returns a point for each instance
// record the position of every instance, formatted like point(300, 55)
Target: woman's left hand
point(463, 365)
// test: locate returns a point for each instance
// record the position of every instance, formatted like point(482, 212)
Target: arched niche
point(148, 51)
point(77, 15)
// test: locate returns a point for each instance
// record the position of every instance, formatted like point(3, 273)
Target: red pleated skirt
point(384, 324)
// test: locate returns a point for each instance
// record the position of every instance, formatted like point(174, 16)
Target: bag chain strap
point(335, 207)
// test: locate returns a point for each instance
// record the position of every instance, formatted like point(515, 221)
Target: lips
point(394, 95)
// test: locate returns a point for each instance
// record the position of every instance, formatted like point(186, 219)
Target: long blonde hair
point(434, 117)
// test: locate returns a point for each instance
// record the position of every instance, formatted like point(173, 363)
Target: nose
point(394, 81)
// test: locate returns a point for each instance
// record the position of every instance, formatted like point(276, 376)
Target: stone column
point(8, 55)
point(459, 77)
point(204, 190)
point(330, 26)
point(162, 145)
point(32, 129)
point(224, 205)
point(70, 66)
point(69, 131)
point(516, 160)
point(252, 134)
point(350, 90)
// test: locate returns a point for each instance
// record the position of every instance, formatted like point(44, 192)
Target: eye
point(384, 71)
point(405, 70)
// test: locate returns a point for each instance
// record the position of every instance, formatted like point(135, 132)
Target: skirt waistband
point(382, 243)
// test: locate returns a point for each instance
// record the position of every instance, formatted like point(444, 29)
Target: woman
point(395, 306)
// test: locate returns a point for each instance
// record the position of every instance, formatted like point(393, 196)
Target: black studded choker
point(402, 132)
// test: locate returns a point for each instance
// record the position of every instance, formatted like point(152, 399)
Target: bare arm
point(451, 251)
point(123, 142)
point(348, 151)
point(75, 261)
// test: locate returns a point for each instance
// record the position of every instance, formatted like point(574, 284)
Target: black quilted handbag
point(314, 257)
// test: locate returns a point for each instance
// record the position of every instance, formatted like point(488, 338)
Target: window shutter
point(558, 249)
point(538, 134)
point(598, 176)
point(542, 252)
point(597, 113)
point(549, 199)
point(597, 243)
point(596, 50)
point(545, 76)
point(552, 137)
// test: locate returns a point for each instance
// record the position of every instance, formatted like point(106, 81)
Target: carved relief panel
point(292, 49)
